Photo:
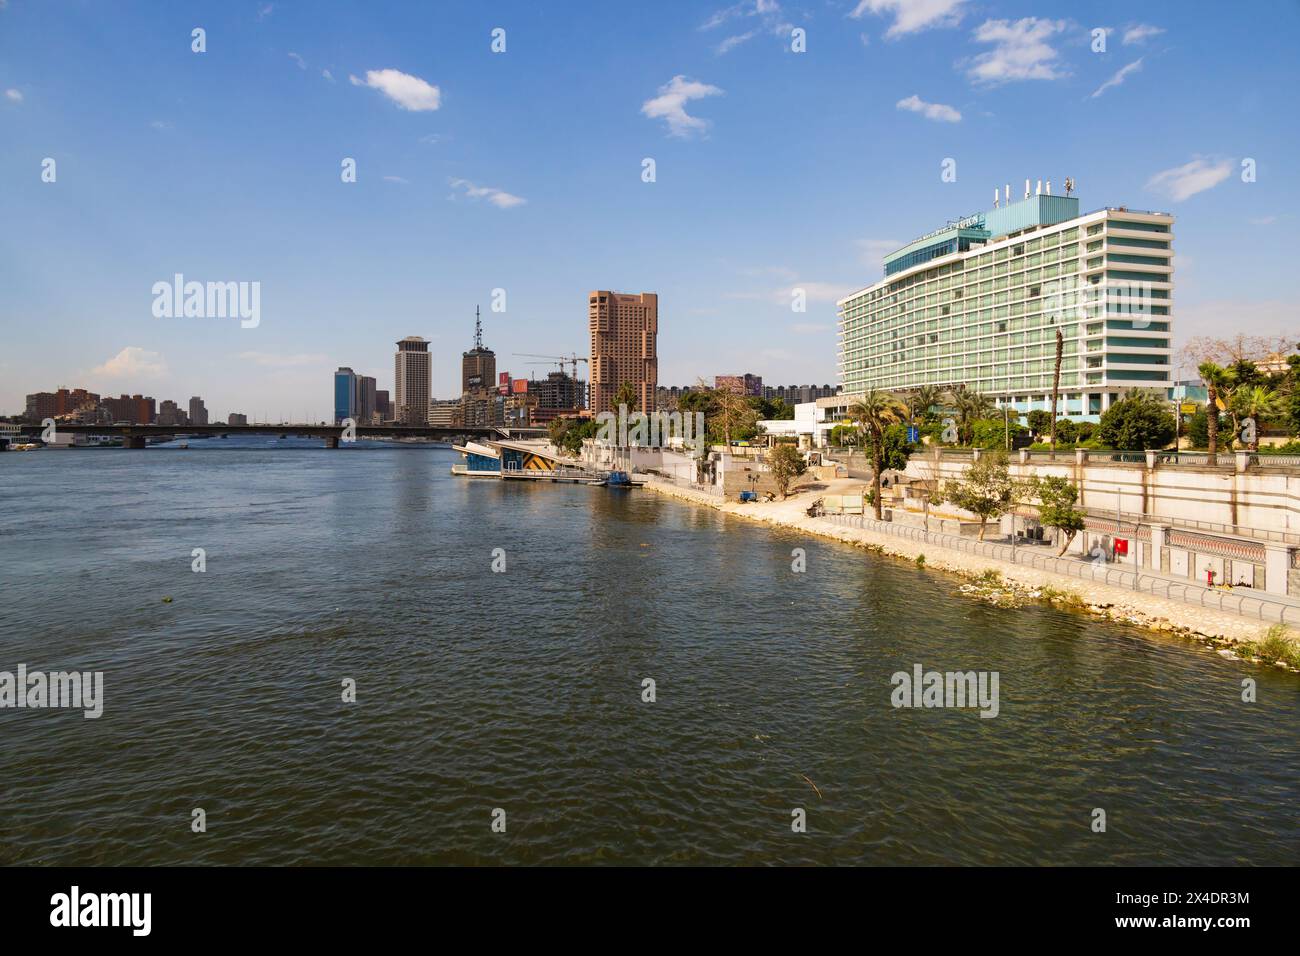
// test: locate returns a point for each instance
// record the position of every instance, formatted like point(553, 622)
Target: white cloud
point(132, 362)
point(730, 43)
point(767, 13)
point(264, 11)
point(1263, 220)
point(1118, 78)
point(1140, 33)
point(328, 75)
point(670, 105)
point(814, 292)
point(874, 250)
point(497, 197)
point(912, 16)
point(407, 91)
point(161, 124)
point(15, 96)
point(931, 111)
point(1183, 182)
point(396, 179)
point(272, 360)
point(302, 64)
point(1021, 51)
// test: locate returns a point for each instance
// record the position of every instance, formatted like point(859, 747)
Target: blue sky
point(522, 170)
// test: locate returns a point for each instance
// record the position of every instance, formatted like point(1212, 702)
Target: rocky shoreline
point(1011, 585)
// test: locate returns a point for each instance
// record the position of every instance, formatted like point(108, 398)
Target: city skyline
point(460, 194)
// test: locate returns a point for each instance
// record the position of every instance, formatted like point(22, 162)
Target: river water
point(521, 690)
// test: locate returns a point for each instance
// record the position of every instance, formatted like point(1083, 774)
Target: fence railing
point(1234, 602)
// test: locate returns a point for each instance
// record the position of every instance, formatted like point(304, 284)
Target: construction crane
point(571, 360)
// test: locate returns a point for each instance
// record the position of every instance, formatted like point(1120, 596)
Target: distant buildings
point(740, 384)
point(624, 347)
point(237, 419)
point(799, 394)
point(367, 396)
point(64, 402)
point(382, 406)
point(198, 411)
point(412, 381)
point(345, 394)
point(135, 409)
point(169, 413)
point(478, 382)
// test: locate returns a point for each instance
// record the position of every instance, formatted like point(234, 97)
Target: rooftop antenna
point(478, 330)
point(1007, 195)
point(995, 197)
point(1049, 187)
point(1026, 188)
point(1039, 190)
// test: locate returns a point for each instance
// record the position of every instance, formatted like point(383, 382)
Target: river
point(521, 690)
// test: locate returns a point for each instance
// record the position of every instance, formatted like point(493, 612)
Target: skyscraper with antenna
point(478, 366)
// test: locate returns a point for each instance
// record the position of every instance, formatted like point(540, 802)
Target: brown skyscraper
point(478, 366)
point(624, 335)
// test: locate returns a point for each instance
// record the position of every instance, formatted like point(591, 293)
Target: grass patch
point(991, 578)
point(1061, 598)
point(920, 560)
point(1278, 645)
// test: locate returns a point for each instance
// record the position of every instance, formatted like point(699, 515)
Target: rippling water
point(522, 690)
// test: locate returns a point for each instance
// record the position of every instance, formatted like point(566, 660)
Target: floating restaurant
point(529, 461)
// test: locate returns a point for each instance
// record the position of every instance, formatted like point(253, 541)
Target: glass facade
point(988, 317)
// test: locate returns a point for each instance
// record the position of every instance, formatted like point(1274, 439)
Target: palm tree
point(921, 401)
point(970, 406)
point(874, 412)
point(1056, 384)
point(1258, 402)
point(1213, 376)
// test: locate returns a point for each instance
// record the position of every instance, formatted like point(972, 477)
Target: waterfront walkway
point(1159, 602)
point(1244, 602)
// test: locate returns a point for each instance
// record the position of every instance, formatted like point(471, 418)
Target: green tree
point(626, 395)
point(970, 406)
point(1067, 431)
point(896, 448)
point(568, 434)
point(842, 435)
point(1138, 421)
point(874, 412)
point(1198, 427)
point(919, 402)
point(1040, 422)
point(1214, 377)
point(1258, 402)
point(1056, 499)
point(785, 464)
point(993, 432)
point(986, 489)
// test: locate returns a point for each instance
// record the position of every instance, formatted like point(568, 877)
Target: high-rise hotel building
point(978, 302)
point(624, 336)
point(412, 381)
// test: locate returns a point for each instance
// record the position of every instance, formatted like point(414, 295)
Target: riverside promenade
point(1159, 603)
